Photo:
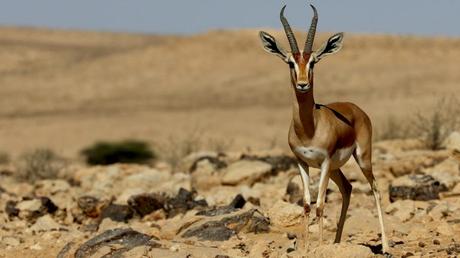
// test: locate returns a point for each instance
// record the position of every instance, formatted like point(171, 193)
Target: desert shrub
point(4, 158)
point(219, 145)
point(175, 148)
point(39, 164)
point(129, 151)
point(436, 124)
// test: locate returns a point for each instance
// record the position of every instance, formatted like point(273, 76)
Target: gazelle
point(324, 136)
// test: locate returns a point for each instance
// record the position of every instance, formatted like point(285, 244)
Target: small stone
point(407, 254)
point(291, 236)
point(89, 206)
point(145, 204)
point(436, 242)
point(445, 229)
point(11, 241)
point(174, 248)
point(37, 247)
point(45, 223)
point(116, 212)
point(421, 244)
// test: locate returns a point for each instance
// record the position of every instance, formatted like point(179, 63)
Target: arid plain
point(65, 89)
point(237, 192)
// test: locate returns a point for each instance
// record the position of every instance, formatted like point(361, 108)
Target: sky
point(415, 17)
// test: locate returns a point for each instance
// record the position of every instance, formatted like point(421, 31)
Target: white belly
point(314, 156)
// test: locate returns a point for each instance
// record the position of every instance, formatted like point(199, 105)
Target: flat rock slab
point(229, 225)
point(416, 187)
point(115, 241)
point(245, 172)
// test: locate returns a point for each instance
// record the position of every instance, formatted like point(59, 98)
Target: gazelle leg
point(305, 175)
point(365, 164)
point(323, 182)
point(345, 189)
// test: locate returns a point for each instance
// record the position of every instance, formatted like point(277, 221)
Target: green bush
point(129, 151)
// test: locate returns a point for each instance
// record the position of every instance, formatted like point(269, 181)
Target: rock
point(446, 172)
point(145, 204)
point(285, 214)
point(230, 225)
point(183, 202)
point(452, 142)
point(440, 211)
point(45, 223)
point(116, 212)
point(204, 176)
point(278, 162)
point(187, 164)
point(10, 209)
point(89, 205)
point(118, 240)
point(414, 162)
point(51, 187)
point(453, 249)
point(342, 250)
point(237, 203)
point(10, 241)
point(415, 187)
point(214, 162)
point(402, 209)
point(34, 208)
point(245, 172)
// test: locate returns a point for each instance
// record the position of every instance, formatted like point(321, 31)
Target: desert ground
point(236, 192)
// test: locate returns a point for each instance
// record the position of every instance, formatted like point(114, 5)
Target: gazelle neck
point(303, 106)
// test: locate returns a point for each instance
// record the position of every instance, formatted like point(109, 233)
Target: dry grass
point(39, 164)
point(439, 122)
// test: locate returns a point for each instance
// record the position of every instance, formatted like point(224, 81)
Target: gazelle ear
point(332, 46)
point(272, 46)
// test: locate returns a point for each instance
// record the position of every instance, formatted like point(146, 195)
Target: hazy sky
point(422, 17)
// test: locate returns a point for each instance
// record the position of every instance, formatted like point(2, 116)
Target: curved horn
point(289, 33)
point(311, 32)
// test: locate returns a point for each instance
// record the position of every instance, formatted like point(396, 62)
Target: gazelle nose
point(302, 85)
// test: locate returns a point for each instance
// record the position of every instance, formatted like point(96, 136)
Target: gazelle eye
point(311, 65)
point(291, 64)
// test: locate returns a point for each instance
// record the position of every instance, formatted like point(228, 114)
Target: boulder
point(245, 172)
point(446, 172)
point(221, 228)
point(415, 187)
point(285, 214)
point(113, 243)
point(278, 162)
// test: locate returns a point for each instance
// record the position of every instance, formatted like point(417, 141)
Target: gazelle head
point(301, 63)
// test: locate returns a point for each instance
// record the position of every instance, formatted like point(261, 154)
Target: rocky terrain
point(233, 205)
